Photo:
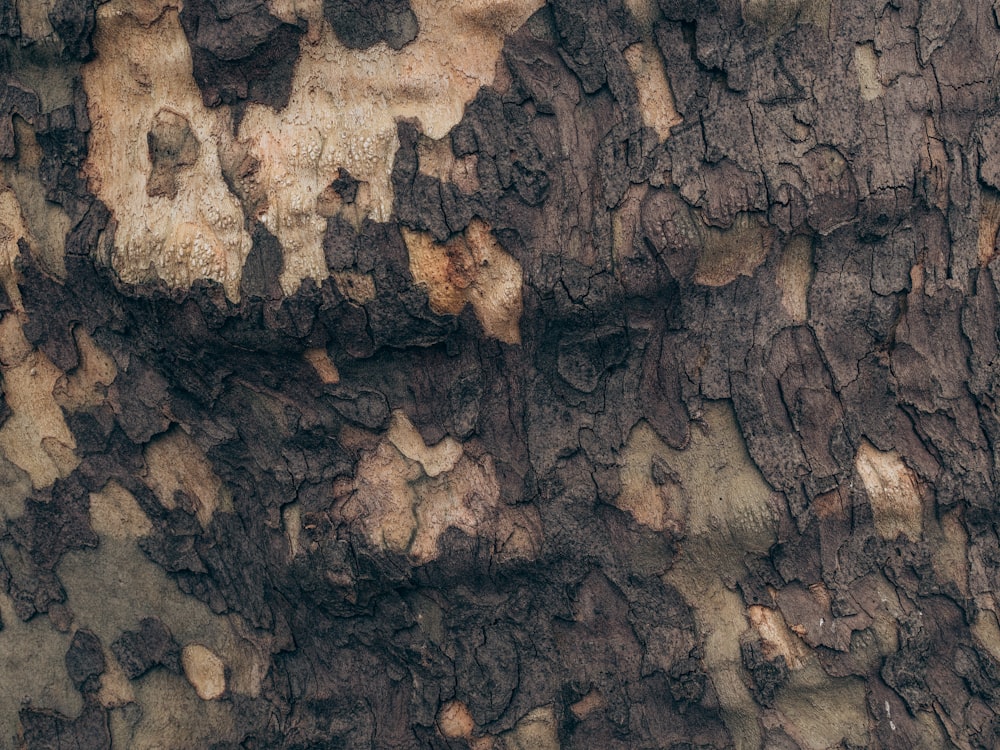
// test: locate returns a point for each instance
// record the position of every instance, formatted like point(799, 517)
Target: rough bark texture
point(499, 374)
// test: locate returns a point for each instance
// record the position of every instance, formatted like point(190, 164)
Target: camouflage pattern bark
point(610, 374)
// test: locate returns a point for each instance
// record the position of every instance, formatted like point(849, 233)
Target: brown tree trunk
point(504, 374)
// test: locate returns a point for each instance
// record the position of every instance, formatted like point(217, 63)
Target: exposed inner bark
point(499, 374)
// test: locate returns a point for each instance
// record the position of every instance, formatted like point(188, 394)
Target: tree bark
point(515, 374)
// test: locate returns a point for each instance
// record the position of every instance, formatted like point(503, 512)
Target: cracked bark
point(634, 387)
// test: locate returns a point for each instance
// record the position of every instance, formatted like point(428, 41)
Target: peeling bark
point(499, 374)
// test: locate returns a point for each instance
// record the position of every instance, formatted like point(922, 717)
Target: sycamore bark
point(499, 374)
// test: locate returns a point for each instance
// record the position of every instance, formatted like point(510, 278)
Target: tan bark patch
point(776, 637)
point(455, 721)
point(115, 513)
point(892, 491)
point(176, 219)
point(592, 701)
point(87, 384)
point(204, 670)
point(866, 66)
point(656, 101)
point(434, 460)
point(651, 491)
point(46, 224)
point(407, 494)
point(35, 437)
point(323, 365)
point(989, 225)
point(345, 104)
point(12, 230)
point(470, 268)
point(536, 731)
point(175, 463)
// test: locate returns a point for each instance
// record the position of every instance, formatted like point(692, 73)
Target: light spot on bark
point(115, 513)
point(176, 218)
point(46, 224)
point(407, 494)
point(323, 365)
point(344, 106)
point(536, 731)
point(35, 437)
point(866, 65)
point(434, 460)
point(470, 268)
point(176, 463)
point(12, 230)
point(455, 721)
point(989, 225)
point(776, 637)
point(652, 491)
point(892, 491)
point(204, 670)
point(656, 101)
point(87, 384)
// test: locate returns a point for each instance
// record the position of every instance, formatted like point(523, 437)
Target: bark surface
point(506, 375)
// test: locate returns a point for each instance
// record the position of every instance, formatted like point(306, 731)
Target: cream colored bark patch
point(204, 670)
point(115, 513)
point(35, 437)
point(592, 701)
point(455, 721)
point(434, 460)
point(536, 731)
point(345, 104)
point(656, 101)
point(892, 491)
point(470, 268)
point(651, 491)
point(47, 224)
point(407, 494)
point(176, 218)
point(12, 230)
point(87, 384)
point(323, 365)
point(176, 463)
point(866, 65)
point(727, 254)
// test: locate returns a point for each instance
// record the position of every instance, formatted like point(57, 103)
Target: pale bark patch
point(176, 463)
point(204, 670)
point(892, 491)
point(35, 437)
point(470, 268)
point(176, 221)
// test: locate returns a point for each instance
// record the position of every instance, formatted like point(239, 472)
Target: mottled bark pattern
point(720, 473)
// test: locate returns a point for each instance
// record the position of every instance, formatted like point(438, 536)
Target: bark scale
point(499, 374)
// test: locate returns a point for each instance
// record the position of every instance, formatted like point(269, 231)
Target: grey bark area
point(717, 469)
